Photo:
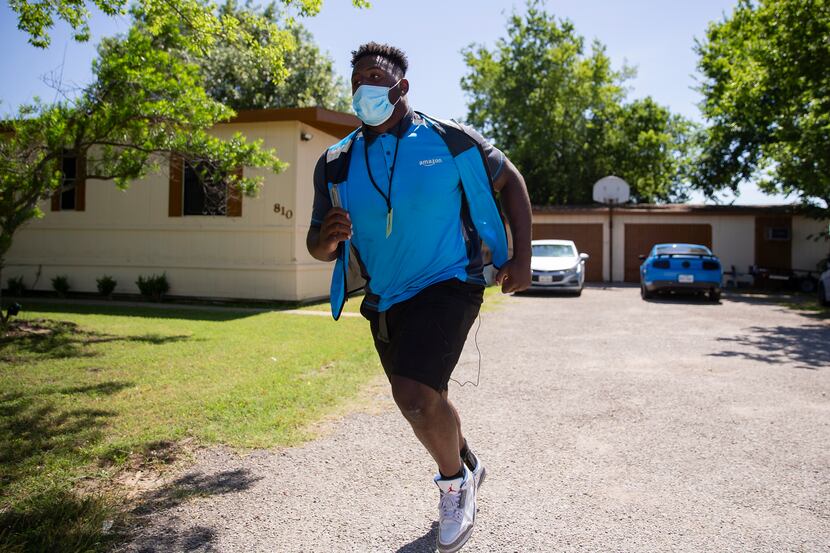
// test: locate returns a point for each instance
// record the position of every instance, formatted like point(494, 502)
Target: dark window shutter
point(235, 197)
point(56, 201)
point(80, 184)
point(176, 189)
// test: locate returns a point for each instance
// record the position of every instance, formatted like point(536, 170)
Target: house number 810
point(280, 209)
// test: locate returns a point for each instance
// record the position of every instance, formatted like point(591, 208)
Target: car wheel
point(807, 285)
point(714, 295)
point(822, 295)
point(646, 295)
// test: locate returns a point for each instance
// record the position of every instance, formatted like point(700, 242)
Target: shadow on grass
point(56, 520)
point(103, 388)
point(62, 339)
point(807, 346)
point(162, 311)
point(35, 431)
point(169, 534)
point(40, 512)
point(424, 544)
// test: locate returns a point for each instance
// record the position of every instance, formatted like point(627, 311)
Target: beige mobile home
point(252, 248)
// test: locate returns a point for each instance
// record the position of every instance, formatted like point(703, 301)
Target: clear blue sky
point(655, 36)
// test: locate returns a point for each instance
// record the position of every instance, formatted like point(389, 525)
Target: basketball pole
point(608, 191)
point(611, 242)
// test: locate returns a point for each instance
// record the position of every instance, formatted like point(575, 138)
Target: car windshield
point(553, 250)
point(682, 250)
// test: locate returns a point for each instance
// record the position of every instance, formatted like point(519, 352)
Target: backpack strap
point(477, 180)
point(338, 158)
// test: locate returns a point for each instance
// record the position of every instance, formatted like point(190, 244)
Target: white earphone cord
point(478, 376)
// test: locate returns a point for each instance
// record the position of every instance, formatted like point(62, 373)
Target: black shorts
point(422, 337)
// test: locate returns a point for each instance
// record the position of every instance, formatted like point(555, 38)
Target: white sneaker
point(456, 511)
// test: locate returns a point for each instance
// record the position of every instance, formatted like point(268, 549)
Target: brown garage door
point(587, 237)
point(640, 238)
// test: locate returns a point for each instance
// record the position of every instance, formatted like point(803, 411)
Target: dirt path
point(606, 424)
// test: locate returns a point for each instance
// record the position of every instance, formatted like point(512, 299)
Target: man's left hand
point(514, 276)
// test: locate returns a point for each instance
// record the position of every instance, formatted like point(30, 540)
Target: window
point(553, 250)
point(197, 189)
point(71, 196)
point(205, 192)
point(683, 250)
point(69, 169)
point(778, 233)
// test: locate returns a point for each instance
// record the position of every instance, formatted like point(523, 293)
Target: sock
point(468, 457)
point(453, 477)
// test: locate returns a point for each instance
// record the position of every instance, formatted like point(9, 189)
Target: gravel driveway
point(606, 424)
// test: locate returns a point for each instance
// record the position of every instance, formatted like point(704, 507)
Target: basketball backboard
point(611, 190)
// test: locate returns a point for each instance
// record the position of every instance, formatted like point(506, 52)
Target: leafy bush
point(15, 286)
point(61, 285)
point(153, 286)
point(106, 285)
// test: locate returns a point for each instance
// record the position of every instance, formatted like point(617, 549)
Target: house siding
point(258, 255)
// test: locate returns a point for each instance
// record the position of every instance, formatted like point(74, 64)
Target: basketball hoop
point(611, 191)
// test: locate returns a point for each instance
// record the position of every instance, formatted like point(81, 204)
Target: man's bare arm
point(515, 275)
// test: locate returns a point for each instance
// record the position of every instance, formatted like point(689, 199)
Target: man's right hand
point(336, 228)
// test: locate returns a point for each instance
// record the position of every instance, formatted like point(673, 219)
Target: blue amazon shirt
point(432, 237)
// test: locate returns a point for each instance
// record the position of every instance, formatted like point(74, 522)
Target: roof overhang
point(667, 209)
point(335, 123)
point(332, 122)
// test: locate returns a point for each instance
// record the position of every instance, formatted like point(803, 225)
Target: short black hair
point(387, 51)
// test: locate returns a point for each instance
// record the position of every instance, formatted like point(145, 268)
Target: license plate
point(545, 278)
point(685, 278)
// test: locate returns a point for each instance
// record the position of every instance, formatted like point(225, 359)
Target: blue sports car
point(676, 267)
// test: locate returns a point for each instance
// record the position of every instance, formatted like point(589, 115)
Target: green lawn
point(109, 384)
point(104, 388)
point(809, 306)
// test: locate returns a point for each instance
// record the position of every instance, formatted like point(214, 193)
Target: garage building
point(771, 237)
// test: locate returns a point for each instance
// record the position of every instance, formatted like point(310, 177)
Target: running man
point(408, 200)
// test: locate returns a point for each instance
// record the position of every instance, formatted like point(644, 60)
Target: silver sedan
point(557, 265)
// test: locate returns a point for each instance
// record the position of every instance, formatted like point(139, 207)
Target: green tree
point(235, 78)
point(767, 100)
point(650, 148)
point(559, 113)
point(37, 18)
point(147, 101)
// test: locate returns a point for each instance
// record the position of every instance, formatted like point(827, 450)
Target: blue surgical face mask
point(371, 103)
